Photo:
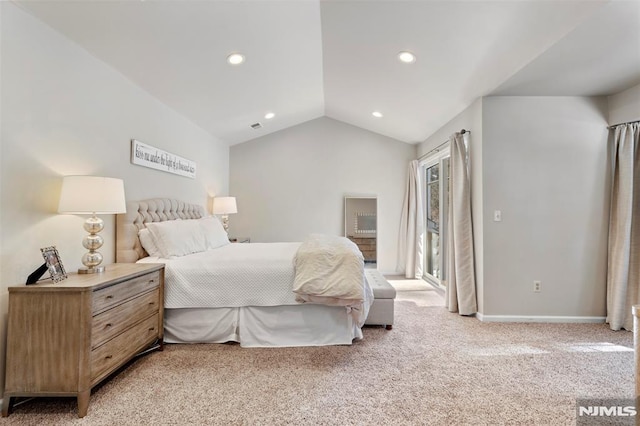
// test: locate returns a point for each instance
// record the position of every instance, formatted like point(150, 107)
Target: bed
point(236, 292)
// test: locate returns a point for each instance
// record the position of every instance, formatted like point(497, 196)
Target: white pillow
point(178, 237)
point(150, 246)
point(214, 232)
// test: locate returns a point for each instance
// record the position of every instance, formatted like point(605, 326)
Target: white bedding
point(263, 275)
point(330, 271)
point(251, 283)
point(262, 326)
point(257, 274)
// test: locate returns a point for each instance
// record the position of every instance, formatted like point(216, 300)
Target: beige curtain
point(623, 276)
point(461, 276)
point(411, 225)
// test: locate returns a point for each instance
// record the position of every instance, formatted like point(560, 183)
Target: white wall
point(292, 183)
point(545, 167)
point(542, 161)
point(469, 119)
point(625, 106)
point(65, 112)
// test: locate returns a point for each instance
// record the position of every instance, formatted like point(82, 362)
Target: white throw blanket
point(330, 271)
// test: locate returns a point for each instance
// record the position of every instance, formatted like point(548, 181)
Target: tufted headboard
point(139, 213)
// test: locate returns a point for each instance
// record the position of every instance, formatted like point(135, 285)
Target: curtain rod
point(622, 124)
point(437, 148)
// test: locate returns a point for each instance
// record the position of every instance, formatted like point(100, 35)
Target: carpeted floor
point(433, 368)
point(404, 284)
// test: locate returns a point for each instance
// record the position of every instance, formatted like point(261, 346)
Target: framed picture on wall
point(54, 264)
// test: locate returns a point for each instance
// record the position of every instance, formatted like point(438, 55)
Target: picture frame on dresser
point(54, 263)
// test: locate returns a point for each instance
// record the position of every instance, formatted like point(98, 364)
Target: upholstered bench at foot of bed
point(381, 311)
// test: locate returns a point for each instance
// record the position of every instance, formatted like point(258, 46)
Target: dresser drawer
point(114, 321)
point(369, 254)
point(116, 294)
point(365, 242)
point(124, 346)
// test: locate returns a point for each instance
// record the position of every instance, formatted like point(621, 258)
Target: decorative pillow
point(214, 232)
point(150, 246)
point(178, 237)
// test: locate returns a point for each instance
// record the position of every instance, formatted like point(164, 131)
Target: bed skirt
point(262, 326)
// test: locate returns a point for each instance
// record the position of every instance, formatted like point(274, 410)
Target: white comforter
point(330, 271)
point(257, 274)
point(263, 274)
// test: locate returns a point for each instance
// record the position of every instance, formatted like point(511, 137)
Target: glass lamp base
point(96, 270)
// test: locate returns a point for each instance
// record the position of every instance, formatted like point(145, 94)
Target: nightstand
point(240, 239)
point(65, 338)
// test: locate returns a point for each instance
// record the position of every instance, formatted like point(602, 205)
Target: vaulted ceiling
point(306, 59)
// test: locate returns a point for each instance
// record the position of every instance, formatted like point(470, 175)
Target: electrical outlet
point(497, 216)
point(537, 286)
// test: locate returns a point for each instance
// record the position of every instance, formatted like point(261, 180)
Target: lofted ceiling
point(306, 59)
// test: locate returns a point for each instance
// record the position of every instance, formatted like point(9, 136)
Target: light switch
point(497, 216)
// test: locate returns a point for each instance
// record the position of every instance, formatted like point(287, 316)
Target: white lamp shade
point(224, 205)
point(92, 194)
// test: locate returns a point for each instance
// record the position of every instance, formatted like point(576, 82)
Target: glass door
point(436, 211)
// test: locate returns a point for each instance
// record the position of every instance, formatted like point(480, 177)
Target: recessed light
point(235, 58)
point(269, 115)
point(377, 114)
point(407, 57)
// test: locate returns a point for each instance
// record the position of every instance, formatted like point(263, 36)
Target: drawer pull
point(152, 303)
point(152, 329)
point(108, 325)
point(108, 357)
point(109, 297)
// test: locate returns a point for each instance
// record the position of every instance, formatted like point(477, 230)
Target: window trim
point(435, 157)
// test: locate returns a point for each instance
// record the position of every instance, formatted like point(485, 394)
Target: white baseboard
point(538, 318)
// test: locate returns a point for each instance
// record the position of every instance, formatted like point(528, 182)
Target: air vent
point(256, 126)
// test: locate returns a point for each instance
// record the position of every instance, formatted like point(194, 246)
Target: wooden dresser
point(65, 338)
point(367, 246)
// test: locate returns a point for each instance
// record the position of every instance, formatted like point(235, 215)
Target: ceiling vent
point(256, 126)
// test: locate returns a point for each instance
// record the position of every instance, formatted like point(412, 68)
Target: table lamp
point(225, 206)
point(92, 195)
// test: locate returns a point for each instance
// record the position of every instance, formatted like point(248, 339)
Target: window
point(436, 174)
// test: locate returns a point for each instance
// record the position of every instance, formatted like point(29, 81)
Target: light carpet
point(404, 284)
point(433, 368)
